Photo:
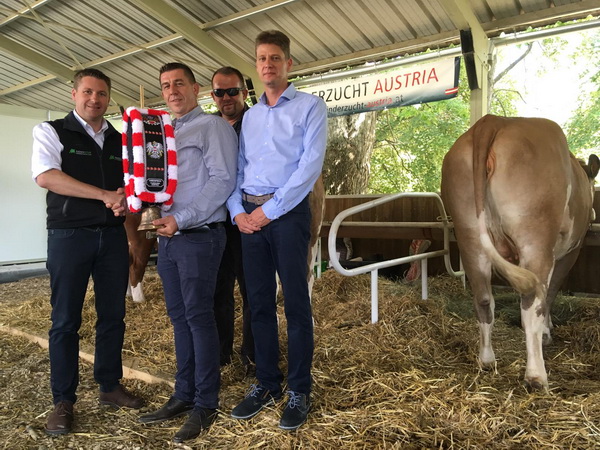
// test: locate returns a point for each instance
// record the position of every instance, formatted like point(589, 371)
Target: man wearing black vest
point(78, 159)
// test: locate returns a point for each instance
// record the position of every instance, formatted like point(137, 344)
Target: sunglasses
point(232, 92)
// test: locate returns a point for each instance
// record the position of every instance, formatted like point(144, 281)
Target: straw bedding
point(410, 381)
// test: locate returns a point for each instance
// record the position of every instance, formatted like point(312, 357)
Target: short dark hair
point(275, 37)
point(228, 70)
point(89, 72)
point(177, 65)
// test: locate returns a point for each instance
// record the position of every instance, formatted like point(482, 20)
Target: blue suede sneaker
point(256, 399)
point(295, 412)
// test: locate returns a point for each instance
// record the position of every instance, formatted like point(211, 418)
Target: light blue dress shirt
point(206, 169)
point(282, 148)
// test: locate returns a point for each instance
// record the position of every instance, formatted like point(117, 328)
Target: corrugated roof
point(42, 44)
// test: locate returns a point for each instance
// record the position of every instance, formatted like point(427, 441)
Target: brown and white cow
point(140, 250)
point(316, 201)
point(521, 204)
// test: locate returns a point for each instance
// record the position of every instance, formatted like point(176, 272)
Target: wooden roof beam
point(476, 51)
point(191, 31)
point(60, 71)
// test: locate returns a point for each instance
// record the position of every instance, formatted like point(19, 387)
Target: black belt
point(204, 228)
point(257, 199)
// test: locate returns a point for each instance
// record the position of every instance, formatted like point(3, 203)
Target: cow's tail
point(484, 132)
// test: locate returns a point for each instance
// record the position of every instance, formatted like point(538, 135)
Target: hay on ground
point(410, 381)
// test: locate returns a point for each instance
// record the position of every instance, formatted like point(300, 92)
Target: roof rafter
point(463, 17)
point(192, 32)
point(476, 48)
point(213, 37)
point(242, 15)
point(246, 14)
point(539, 18)
point(97, 62)
point(58, 70)
point(444, 39)
point(377, 53)
point(20, 13)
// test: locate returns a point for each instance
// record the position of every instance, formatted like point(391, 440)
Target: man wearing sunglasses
point(229, 93)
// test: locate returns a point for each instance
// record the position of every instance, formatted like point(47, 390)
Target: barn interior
point(412, 380)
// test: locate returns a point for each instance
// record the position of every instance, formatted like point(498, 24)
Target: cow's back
point(517, 170)
point(528, 172)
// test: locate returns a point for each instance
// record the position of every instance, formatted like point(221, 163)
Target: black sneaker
point(295, 412)
point(256, 399)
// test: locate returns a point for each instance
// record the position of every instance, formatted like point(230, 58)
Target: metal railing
point(443, 224)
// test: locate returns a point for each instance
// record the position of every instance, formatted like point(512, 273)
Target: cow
point(140, 250)
point(316, 201)
point(521, 204)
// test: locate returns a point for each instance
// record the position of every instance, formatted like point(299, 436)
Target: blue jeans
point(73, 255)
point(280, 246)
point(188, 265)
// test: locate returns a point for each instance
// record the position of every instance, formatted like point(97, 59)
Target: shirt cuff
point(270, 210)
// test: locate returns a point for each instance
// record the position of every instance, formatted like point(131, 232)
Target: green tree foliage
point(583, 129)
point(411, 141)
point(504, 93)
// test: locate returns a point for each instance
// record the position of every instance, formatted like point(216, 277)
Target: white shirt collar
point(88, 128)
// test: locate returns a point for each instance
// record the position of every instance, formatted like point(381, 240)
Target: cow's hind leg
point(561, 270)
point(534, 317)
point(479, 271)
point(535, 325)
point(484, 309)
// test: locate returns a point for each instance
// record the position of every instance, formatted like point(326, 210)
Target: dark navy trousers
point(188, 265)
point(282, 247)
point(230, 269)
point(74, 255)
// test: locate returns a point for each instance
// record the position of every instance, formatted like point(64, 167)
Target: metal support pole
point(424, 291)
point(374, 297)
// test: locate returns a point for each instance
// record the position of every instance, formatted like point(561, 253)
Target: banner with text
point(402, 87)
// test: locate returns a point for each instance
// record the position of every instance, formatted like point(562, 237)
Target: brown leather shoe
point(61, 419)
point(120, 398)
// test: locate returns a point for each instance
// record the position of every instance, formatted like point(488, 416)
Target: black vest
point(83, 160)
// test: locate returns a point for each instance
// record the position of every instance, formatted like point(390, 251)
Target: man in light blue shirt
point(282, 147)
point(190, 245)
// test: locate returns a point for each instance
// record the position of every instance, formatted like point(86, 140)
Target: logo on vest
point(74, 151)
